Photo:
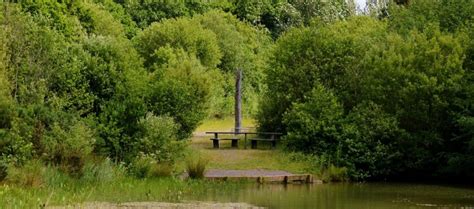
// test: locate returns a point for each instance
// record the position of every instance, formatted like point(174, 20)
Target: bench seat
point(254, 142)
point(215, 142)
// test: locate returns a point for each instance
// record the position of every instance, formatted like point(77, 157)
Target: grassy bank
point(227, 158)
point(127, 189)
point(36, 185)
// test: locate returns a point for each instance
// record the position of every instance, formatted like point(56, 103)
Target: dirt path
point(158, 205)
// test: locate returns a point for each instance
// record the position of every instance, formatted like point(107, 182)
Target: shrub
point(102, 171)
point(179, 33)
point(3, 170)
point(182, 90)
point(6, 102)
point(157, 139)
point(314, 126)
point(140, 166)
point(371, 143)
point(54, 177)
point(146, 166)
point(363, 142)
point(69, 147)
point(29, 175)
point(334, 174)
point(161, 170)
point(196, 167)
point(15, 146)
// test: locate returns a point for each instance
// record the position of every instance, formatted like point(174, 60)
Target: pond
point(353, 196)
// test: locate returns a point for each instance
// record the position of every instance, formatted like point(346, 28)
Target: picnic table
point(273, 137)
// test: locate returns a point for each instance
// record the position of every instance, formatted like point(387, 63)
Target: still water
point(351, 196)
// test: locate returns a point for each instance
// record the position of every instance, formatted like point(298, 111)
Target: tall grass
point(102, 171)
point(196, 167)
point(32, 174)
point(126, 189)
point(334, 174)
point(146, 167)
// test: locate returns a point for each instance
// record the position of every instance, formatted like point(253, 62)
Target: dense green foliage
point(380, 97)
point(76, 88)
point(81, 79)
point(375, 96)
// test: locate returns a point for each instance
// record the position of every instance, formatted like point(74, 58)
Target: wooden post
point(238, 100)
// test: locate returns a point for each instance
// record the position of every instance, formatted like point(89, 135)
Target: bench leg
point(235, 143)
point(254, 144)
point(215, 143)
point(274, 143)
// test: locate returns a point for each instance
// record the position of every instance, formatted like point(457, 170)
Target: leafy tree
point(145, 12)
point(243, 47)
point(279, 16)
point(56, 15)
point(315, 125)
point(449, 15)
point(328, 54)
point(97, 20)
point(179, 33)
point(116, 79)
point(410, 81)
point(181, 89)
point(6, 102)
point(120, 14)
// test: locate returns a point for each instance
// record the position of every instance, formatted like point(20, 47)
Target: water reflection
point(353, 196)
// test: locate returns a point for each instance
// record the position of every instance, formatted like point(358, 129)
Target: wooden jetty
point(260, 176)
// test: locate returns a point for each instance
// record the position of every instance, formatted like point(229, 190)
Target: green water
point(353, 196)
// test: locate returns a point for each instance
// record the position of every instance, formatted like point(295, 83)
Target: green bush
point(6, 102)
point(161, 170)
point(69, 147)
point(117, 81)
point(334, 174)
point(180, 33)
point(158, 139)
point(196, 167)
point(31, 174)
point(157, 148)
point(371, 144)
point(3, 170)
point(327, 55)
point(181, 90)
point(314, 126)
point(397, 94)
point(144, 166)
point(145, 13)
point(363, 141)
point(15, 144)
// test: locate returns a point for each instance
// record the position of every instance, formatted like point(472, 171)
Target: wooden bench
point(254, 141)
point(215, 142)
point(273, 139)
point(216, 139)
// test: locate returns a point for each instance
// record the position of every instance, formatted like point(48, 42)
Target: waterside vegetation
point(96, 91)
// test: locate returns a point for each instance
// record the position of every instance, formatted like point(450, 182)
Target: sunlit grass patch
point(231, 158)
